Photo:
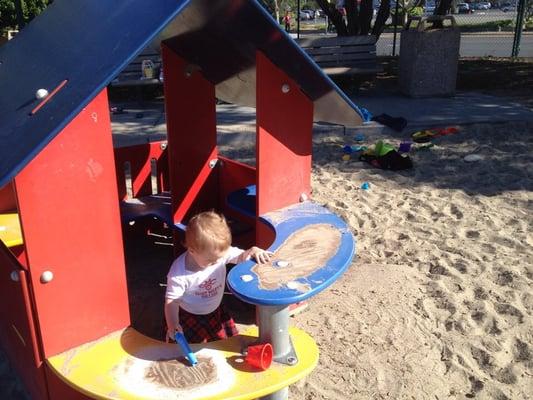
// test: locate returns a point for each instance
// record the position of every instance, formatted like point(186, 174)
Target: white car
point(304, 16)
point(484, 5)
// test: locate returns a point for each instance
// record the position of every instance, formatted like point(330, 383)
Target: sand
point(438, 303)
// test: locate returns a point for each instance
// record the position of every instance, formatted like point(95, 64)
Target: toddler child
point(196, 280)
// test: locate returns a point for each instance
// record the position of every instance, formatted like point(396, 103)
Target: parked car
point(484, 5)
point(463, 8)
point(312, 13)
point(304, 15)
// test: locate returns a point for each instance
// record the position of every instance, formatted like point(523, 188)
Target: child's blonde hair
point(208, 231)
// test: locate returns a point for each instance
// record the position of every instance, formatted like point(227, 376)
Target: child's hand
point(260, 255)
point(171, 333)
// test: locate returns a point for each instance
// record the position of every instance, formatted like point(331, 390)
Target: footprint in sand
point(460, 266)
point(527, 302)
point(484, 360)
point(480, 293)
point(438, 269)
point(443, 302)
point(478, 313)
point(506, 375)
point(456, 212)
point(472, 234)
point(403, 236)
point(522, 352)
point(507, 309)
point(476, 386)
point(504, 278)
point(492, 328)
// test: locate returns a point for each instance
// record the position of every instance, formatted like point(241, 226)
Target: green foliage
point(30, 9)
point(416, 12)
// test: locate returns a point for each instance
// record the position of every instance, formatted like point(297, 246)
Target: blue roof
point(89, 42)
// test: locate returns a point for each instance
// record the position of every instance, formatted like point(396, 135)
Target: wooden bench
point(343, 55)
point(132, 75)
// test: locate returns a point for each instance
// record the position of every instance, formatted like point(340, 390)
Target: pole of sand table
point(273, 324)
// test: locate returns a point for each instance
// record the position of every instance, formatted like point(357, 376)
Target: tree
point(351, 17)
point(30, 9)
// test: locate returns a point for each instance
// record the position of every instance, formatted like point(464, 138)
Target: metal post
point(395, 29)
point(298, 20)
point(518, 28)
point(274, 328)
point(282, 394)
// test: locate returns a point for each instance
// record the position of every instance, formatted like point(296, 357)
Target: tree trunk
point(442, 9)
point(352, 17)
point(366, 12)
point(381, 18)
point(359, 20)
point(334, 16)
point(276, 10)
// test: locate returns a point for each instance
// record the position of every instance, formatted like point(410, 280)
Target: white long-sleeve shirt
point(199, 292)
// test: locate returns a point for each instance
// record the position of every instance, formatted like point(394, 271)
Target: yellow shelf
point(10, 232)
point(129, 365)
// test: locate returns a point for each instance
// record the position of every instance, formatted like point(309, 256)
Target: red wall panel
point(67, 197)
point(284, 138)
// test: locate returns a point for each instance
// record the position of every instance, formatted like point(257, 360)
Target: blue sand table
point(286, 222)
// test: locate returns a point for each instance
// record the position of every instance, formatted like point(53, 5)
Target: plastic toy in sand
point(259, 356)
point(383, 155)
point(359, 137)
point(405, 147)
point(353, 149)
point(426, 135)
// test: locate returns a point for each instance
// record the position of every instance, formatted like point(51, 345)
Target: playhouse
point(65, 193)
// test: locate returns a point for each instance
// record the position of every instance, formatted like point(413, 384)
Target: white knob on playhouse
point(41, 94)
point(47, 276)
point(285, 88)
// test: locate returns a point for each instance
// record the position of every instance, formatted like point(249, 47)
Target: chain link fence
point(487, 29)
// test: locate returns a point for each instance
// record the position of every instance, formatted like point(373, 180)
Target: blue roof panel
point(88, 43)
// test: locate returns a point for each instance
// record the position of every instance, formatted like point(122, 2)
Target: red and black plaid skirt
point(206, 328)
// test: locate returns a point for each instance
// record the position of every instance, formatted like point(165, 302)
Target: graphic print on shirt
point(209, 288)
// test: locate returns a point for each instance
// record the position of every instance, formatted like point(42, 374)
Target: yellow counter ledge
point(10, 232)
point(129, 365)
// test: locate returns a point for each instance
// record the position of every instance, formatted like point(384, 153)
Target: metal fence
point(484, 31)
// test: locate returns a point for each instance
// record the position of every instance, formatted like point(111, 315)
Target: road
point(472, 44)
point(496, 44)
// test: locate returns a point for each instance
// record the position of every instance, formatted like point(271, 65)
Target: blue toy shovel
point(185, 348)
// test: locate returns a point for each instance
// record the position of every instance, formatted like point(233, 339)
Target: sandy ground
point(438, 303)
